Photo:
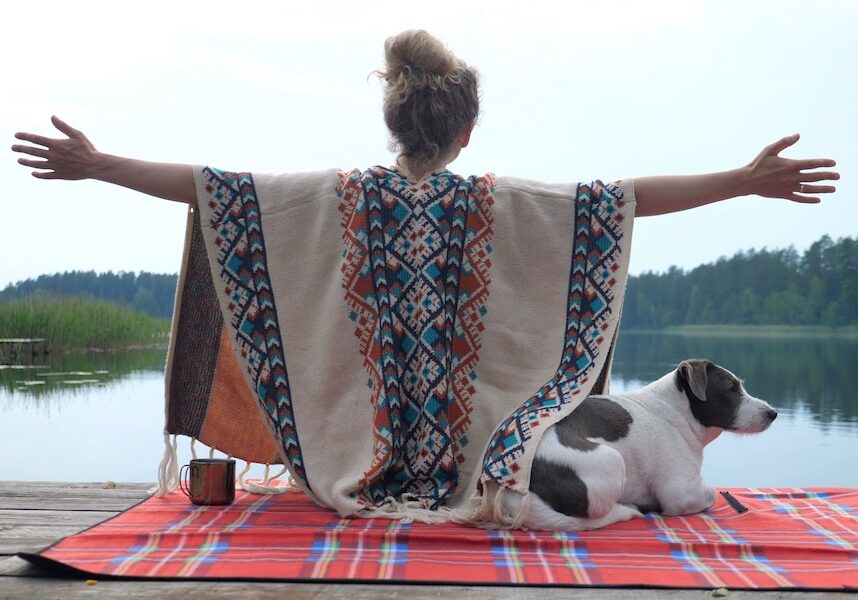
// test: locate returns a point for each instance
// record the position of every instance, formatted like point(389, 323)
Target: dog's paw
point(631, 510)
point(618, 513)
point(689, 502)
point(709, 497)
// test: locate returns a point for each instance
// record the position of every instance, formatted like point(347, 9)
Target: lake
point(99, 416)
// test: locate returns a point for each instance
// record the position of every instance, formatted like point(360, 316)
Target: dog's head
point(718, 399)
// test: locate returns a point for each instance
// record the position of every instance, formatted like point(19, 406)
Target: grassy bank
point(74, 322)
point(757, 331)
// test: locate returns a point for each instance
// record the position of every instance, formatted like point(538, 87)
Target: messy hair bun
point(430, 96)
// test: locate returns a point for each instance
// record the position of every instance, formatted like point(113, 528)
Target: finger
point(816, 189)
point(820, 176)
point(803, 199)
point(35, 139)
point(782, 144)
point(35, 164)
point(65, 127)
point(46, 175)
point(814, 163)
point(31, 150)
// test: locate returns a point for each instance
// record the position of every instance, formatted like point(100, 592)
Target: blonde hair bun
point(417, 49)
point(430, 95)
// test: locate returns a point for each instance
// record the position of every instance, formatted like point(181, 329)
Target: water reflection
point(71, 374)
point(108, 425)
point(816, 375)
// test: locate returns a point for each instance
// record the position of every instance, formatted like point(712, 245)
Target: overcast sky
point(572, 91)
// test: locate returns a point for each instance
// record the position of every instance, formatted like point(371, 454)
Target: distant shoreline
point(753, 331)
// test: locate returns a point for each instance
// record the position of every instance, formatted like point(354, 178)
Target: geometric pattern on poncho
point(416, 280)
point(595, 259)
point(245, 281)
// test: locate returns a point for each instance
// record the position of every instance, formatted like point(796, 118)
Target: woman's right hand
point(73, 157)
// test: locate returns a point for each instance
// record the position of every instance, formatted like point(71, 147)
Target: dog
point(617, 456)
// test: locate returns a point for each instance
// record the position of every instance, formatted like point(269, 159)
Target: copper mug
point(211, 481)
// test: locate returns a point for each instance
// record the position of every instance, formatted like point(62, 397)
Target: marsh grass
point(79, 322)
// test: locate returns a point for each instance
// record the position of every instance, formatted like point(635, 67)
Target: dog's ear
point(693, 374)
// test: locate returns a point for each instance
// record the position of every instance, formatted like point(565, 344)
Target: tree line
point(149, 293)
point(753, 287)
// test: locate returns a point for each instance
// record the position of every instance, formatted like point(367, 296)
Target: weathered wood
point(30, 587)
point(36, 514)
point(34, 530)
point(33, 542)
point(15, 349)
point(80, 518)
point(49, 487)
point(80, 504)
point(47, 495)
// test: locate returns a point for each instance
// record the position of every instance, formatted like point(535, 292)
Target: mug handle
point(182, 482)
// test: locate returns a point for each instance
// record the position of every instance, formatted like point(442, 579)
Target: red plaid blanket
point(788, 539)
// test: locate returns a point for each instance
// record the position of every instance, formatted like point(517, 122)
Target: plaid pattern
point(789, 539)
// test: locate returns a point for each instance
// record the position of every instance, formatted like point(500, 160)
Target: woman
point(393, 335)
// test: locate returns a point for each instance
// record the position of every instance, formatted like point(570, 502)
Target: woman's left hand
point(774, 176)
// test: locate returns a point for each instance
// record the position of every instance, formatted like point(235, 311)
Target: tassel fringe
point(168, 470)
point(486, 510)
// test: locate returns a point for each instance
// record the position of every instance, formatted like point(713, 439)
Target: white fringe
point(266, 487)
point(409, 510)
point(483, 511)
point(240, 477)
point(488, 511)
point(168, 470)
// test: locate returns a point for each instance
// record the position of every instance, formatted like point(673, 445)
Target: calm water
point(99, 416)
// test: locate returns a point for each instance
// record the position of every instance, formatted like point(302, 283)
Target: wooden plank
point(28, 586)
point(42, 495)
point(33, 541)
point(34, 515)
point(34, 530)
point(69, 503)
point(32, 538)
point(79, 518)
point(10, 487)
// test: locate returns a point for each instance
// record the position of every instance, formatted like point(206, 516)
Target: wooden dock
point(34, 515)
point(22, 350)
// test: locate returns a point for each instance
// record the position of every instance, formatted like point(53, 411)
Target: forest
point(148, 293)
point(753, 287)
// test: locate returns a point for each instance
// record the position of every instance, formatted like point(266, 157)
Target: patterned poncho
point(400, 346)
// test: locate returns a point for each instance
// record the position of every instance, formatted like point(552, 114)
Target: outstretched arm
point(75, 157)
point(767, 175)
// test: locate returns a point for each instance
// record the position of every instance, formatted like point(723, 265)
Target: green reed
point(79, 322)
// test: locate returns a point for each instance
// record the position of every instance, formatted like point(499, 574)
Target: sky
point(571, 91)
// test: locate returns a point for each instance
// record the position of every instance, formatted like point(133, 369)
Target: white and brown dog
point(617, 455)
